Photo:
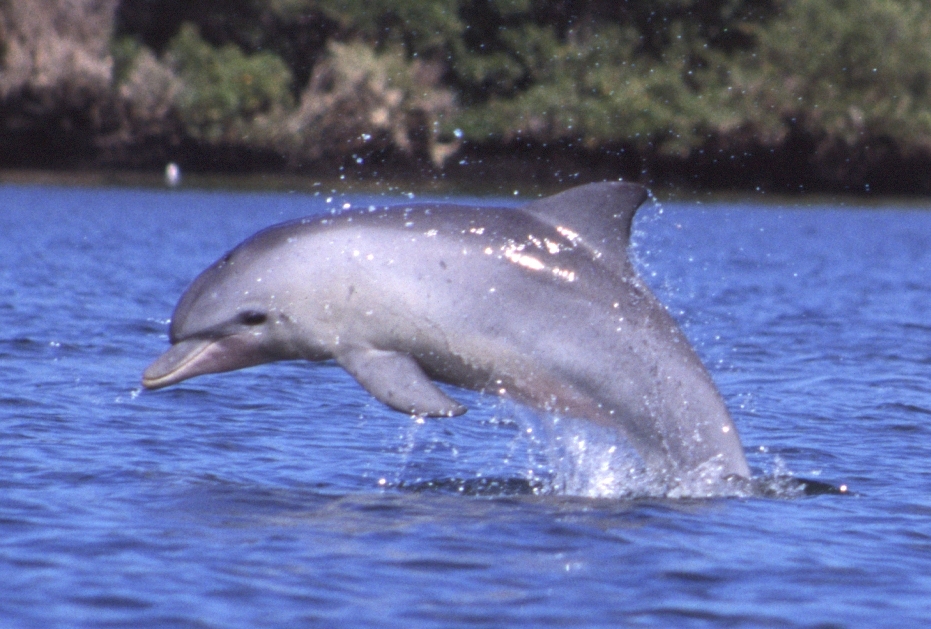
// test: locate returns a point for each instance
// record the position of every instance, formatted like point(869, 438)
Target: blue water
point(284, 496)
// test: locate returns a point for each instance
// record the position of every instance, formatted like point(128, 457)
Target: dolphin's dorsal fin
point(599, 215)
point(397, 380)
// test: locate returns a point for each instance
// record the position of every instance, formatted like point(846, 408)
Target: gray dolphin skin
point(538, 303)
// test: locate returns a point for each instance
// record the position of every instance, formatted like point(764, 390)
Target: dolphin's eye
point(252, 317)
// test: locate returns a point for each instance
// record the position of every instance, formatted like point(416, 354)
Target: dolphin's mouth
point(198, 356)
point(176, 364)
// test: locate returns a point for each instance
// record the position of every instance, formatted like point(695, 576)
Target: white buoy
point(172, 174)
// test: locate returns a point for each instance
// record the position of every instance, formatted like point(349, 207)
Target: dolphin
point(540, 304)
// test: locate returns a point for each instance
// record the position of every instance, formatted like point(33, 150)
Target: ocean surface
point(285, 496)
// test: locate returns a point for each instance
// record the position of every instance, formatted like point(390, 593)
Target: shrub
point(847, 70)
point(360, 102)
point(224, 90)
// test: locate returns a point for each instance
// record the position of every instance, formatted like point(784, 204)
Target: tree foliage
point(847, 70)
point(659, 75)
point(224, 88)
point(665, 79)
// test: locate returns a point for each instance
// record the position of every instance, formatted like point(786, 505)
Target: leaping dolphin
point(538, 303)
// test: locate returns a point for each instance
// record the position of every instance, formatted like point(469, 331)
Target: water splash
point(587, 460)
point(555, 456)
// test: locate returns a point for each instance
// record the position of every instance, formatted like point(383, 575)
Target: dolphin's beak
point(195, 357)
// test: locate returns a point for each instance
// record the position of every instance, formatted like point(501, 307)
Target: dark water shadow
point(778, 487)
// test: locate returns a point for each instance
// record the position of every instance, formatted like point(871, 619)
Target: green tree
point(845, 70)
point(225, 89)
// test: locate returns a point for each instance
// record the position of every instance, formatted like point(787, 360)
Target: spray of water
point(547, 455)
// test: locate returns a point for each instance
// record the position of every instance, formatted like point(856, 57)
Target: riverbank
point(429, 187)
point(745, 95)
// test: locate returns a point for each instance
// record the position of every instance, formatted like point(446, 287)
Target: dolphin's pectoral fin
point(398, 381)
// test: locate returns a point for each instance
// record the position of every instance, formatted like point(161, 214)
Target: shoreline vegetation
point(776, 96)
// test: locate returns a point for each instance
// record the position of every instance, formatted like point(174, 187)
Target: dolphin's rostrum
point(539, 303)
